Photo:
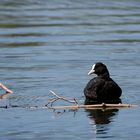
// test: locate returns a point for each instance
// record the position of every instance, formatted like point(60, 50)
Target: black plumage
point(102, 88)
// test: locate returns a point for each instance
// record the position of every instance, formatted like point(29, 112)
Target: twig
point(57, 97)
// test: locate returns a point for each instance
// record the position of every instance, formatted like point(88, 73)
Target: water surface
point(51, 45)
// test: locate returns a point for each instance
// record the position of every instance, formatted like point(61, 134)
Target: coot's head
point(99, 69)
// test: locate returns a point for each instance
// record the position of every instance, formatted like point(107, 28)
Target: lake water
point(51, 45)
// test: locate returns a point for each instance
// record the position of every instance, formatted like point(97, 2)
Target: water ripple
point(50, 45)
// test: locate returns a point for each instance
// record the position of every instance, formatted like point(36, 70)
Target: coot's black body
point(102, 88)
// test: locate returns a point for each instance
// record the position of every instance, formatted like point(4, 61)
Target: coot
point(102, 88)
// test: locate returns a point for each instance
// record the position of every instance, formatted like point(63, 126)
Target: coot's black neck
point(105, 75)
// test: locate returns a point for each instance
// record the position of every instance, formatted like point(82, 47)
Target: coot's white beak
point(92, 70)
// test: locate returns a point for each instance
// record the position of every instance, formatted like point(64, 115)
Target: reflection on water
point(102, 120)
point(102, 116)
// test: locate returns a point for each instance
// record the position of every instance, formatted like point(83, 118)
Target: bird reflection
point(101, 118)
point(104, 115)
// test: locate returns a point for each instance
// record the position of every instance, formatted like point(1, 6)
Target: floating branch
point(57, 97)
point(76, 106)
point(97, 106)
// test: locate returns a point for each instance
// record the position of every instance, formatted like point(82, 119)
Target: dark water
point(51, 45)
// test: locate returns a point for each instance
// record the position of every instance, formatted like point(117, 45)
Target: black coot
point(101, 88)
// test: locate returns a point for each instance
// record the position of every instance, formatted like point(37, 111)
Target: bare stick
point(97, 106)
point(74, 101)
point(55, 94)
